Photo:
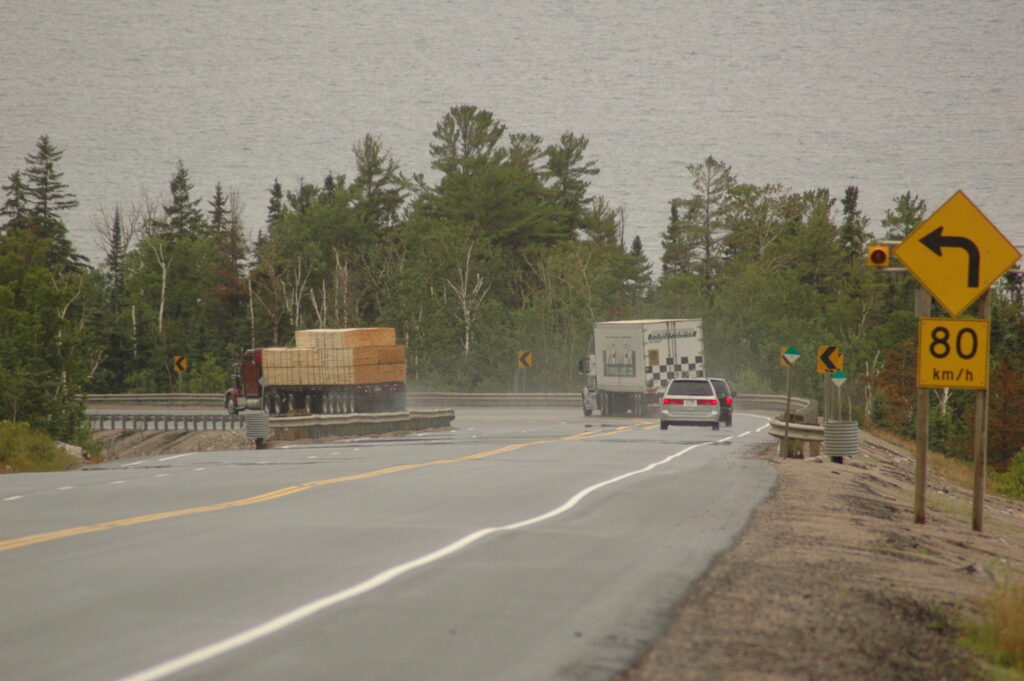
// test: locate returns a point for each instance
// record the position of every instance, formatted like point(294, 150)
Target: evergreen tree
point(853, 230)
point(17, 204)
point(219, 210)
point(111, 320)
point(567, 172)
point(379, 183)
point(526, 151)
point(330, 186)
point(704, 220)
point(275, 209)
point(678, 244)
point(114, 262)
point(505, 201)
point(639, 279)
point(302, 200)
point(35, 198)
point(901, 219)
point(467, 137)
point(47, 193)
point(182, 215)
point(759, 217)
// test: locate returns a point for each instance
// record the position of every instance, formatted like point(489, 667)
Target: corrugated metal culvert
point(842, 438)
point(257, 424)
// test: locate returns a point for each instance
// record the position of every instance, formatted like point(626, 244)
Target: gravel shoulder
point(832, 579)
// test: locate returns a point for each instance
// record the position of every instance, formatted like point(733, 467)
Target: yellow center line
point(28, 540)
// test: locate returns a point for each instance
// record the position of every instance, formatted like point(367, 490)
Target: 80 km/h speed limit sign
point(953, 353)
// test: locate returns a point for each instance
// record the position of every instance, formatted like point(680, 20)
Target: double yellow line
point(28, 540)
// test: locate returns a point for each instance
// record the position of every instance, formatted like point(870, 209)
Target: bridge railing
point(424, 399)
point(137, 421)
point(121, 411)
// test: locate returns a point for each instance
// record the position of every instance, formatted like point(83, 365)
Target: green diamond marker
point(791, 355)
point(838, 377)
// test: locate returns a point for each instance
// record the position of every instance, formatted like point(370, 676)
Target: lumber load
point(337, 357)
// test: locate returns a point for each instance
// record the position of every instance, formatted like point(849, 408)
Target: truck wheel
point(664, 426)
point(714, 426)
point(587, 412)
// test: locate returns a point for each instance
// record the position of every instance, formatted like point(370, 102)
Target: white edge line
point(176, 456)
point(243, 638)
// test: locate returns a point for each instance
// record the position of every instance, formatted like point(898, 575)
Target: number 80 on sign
point(953, 353)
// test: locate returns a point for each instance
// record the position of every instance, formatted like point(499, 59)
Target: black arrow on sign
point(826, 357)
point(935, 241)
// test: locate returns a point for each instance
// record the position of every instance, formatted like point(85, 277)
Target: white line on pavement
point(243, 638)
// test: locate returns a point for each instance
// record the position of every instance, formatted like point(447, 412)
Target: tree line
point(507, 250)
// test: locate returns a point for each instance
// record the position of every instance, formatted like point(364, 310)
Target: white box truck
point(632, 361)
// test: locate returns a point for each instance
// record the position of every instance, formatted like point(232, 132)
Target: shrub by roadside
point(999, 634)
point(27, 450)
point(1011, 483)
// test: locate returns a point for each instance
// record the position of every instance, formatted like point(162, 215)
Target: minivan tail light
point(707, 403)
point(669, 400)
point(728, 400)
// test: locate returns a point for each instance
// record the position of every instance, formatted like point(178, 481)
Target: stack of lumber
point(337, 357)
point(292, 366)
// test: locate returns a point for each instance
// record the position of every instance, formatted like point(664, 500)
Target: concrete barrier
point(313, 426)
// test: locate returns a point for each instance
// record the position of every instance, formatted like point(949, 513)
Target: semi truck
point(329, 371)
point(631, 361)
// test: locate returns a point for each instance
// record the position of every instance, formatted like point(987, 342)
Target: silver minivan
point(689, 402)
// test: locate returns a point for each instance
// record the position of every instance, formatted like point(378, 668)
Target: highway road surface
point(521, 545)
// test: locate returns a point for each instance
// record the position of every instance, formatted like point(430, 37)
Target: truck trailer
point(631, 362)
point(329, 371)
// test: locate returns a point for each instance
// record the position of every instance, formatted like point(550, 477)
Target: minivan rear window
point(690, 388)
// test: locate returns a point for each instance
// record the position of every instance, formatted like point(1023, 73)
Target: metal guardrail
point(777, 403)
point(281, 427)
point(165, 421)
point(494, 400)
point(805, 438)
point(804, 435)
point(157, 400)
point(431, 399)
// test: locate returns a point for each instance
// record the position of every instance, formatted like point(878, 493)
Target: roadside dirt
point(832, 579)
point(124, 444)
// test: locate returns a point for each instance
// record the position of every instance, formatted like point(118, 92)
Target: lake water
point(924, 96)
